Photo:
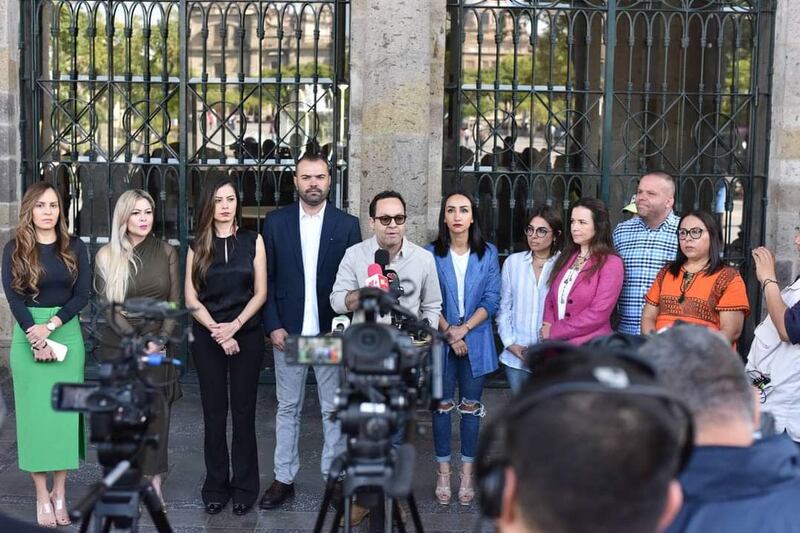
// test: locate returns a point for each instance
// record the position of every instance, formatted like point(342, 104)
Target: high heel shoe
point(44, 515)
point(443, 492)
point(466, 491)
point(60, 510)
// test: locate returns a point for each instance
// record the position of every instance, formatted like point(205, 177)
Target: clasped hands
point(223, 333)
point(455, 337)
point(37, 335)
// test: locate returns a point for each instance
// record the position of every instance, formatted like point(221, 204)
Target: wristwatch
point(51, 326)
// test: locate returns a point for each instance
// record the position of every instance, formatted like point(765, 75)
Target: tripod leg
point(397, 518)
point(323, 511)
point(412, 506)
point(156, 510)
point(337, 517)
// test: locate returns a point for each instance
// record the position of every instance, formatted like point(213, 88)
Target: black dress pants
point(214, 369)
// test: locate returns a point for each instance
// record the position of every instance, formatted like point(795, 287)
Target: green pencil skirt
point(47, 440)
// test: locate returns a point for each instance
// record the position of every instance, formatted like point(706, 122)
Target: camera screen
point(71, 396)
point(319, 350)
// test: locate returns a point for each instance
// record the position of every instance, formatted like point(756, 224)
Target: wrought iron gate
point(549, 100)
point(164, 95)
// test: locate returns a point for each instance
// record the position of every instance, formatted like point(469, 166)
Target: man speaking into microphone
point(365, 264)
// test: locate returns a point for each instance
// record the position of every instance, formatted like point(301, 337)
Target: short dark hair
point(477, 243)
point(700, 367)
point(313, 157)
point(383, 195)
point(715, 243)
point(588, 462)
point(553, 219)
point(666, 176)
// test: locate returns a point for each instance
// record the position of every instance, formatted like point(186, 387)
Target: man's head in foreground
point(592, 444)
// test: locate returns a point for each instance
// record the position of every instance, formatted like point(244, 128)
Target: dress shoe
point(240, 509)
point(357, 515)
point(276, 494)
point(214, 507)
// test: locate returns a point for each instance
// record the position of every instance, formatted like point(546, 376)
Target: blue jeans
point(458, 370)
point(516, 378)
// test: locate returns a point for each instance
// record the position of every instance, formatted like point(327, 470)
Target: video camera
point(388, 372)
point(120, 406)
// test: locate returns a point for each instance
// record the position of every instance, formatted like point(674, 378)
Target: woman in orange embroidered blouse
point(697, 287)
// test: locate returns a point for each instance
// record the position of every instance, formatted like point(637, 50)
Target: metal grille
point(548, 101)
point(166, 95)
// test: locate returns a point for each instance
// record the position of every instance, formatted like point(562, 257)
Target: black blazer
point(286, 282)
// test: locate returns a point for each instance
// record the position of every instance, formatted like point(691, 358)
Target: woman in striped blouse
point(524, 287)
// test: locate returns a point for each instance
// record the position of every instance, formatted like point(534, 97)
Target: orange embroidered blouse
point(701, 302)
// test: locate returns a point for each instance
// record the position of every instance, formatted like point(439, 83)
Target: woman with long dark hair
point(226, 285)
point(469, 277)
point(525, 281)
point(586, 279)
point(697, 287)
point(47, 278)
point(136, 264)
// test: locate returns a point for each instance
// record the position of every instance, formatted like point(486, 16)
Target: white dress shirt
point(310, 233)
point(521, 304)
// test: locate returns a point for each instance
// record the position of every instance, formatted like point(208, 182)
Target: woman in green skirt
point(46, 278)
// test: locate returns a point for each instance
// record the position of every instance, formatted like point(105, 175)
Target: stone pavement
point(185, 477)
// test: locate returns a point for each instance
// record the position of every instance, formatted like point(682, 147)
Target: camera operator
point(732, 482)
point(414, 265)
point(591, 444)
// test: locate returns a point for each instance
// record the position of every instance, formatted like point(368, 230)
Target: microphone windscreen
point(382, 258)
point(374, 269)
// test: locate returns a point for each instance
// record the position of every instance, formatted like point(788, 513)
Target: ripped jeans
point(458, 371)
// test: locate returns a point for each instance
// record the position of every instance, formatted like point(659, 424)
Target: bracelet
point(767, 282)
point(466, 324)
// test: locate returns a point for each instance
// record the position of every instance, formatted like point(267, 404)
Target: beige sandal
point(44, 515)
point(443, 492)
point(61, 514)
point(466, 491)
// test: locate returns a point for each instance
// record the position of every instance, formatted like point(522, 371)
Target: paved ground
point(182, 483)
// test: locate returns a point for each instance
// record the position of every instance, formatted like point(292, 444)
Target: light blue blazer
point(481, 289)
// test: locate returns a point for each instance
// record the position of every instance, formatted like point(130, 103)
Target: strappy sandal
point(466, 491)
point(443, 492)
point(60, 509)
point(44, 515)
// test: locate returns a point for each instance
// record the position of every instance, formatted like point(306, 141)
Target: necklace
point(686, 283)
point(537, 258)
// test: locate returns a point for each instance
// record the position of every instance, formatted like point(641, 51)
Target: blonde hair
point(116, 261)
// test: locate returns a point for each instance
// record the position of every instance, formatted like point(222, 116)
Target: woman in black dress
point(226, 285)
point(136, 264)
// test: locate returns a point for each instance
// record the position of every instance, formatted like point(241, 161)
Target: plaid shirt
point(644, 251)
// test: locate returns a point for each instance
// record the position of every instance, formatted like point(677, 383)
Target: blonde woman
point(46, 279)
point(137, 264)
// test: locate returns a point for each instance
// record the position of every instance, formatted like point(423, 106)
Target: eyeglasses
point(385, 220)
point(541, 231)
point(694, 233)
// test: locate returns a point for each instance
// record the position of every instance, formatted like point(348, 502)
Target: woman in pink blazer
point(586, 279)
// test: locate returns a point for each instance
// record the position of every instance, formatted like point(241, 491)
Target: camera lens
point(369, 339)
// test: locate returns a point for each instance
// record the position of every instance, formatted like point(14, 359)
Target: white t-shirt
point(460, 263)
point(564, 288)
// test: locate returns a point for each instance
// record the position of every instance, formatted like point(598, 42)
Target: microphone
point(382, 259)
point(159, 358)
point(375, 278)
point(339, 324)
point(395, 288)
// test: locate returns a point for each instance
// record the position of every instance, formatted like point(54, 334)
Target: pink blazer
point(589, 304)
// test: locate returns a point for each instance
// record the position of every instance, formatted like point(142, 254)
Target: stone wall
point(396, 106)
point(9, 139)
point(783, 189)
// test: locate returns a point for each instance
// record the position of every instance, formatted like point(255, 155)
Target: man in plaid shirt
point(646, 243)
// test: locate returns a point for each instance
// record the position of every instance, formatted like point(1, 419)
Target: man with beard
point(305, 243)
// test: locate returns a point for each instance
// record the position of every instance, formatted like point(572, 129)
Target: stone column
point(9, 142)
point(783, 187)
point(396, 108)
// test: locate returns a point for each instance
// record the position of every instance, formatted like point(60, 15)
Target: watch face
point(51, 326)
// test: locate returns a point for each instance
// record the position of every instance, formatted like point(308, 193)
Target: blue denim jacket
point(481, 289)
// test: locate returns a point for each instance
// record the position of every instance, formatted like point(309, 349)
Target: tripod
point(382, 486)
point(115, 501)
